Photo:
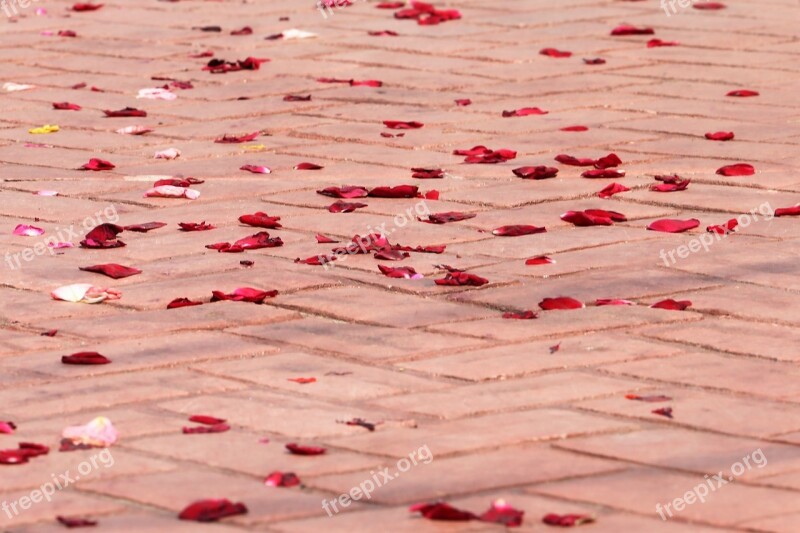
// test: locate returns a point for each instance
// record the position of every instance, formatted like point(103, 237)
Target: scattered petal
point(211, 510)
point(673, 226)
point(720, 136)
point(672, 305)
point(297, 449)
point(663, 411)
point(560, 304)
point(112, 270)
point(739, 169)
point(567, 520)
point(610, 190)
point(85, 358)
point(517, 230)
point(280, 479)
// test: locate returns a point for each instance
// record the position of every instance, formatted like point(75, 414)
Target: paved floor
point(532, 411)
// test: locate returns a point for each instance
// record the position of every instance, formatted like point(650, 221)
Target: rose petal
point(211, 510)
point(297, 449)
point(561, 303)
point(739, 169)
point(112, 270)
point(85, 358)
point(673, 226)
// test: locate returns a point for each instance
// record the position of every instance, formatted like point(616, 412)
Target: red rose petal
point(211, 510)
point(85, 358)
point(540, 172)
point(525, 315)
point(566, 520)
point(539, 260)
point(232, 139)
point(97, 164)
point(463, 102)
point(680, 185)
point(322, 239)
point(347, 192)
point(595, 61)
point(280, 479)
point(307, 166)
point(672, 305)
point(247, 30)
point(81, 7)
point(442, 511)
point(399, 272)
point(502, 513)
point(610, 190)
point(739, 169)
point(66, 106)
point(517, 230)
point(260, 220)
point(297, 449)
point(627, 29)
point(574, 161)
point(427, 173)
point(345, 207)
point(552, 52)
point(608, 161)
point(788, 211)
point(144, 228)
point(606, 173)
point(195, 226)
point(657, 43)
point(182, 302)
point(73, 522)
point(303, 381)
point(743, 93)
point(126, 112)
point(244, 294)
point(651, 398)
point(664, 411)
point(214, 428)
point(400, 191)
point(524, 112)
point(673, 226)
point(112, 270)
point(720, 136)
point(444, 218)
point(575, 128)
point(207, 420)
point(560, 304)
point(400, 125)
point(710, 6)
point(728, 227)
point(461, 279)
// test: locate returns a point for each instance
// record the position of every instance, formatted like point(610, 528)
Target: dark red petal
point(463, 102)
point(66, 106)
point(566, 520)
point(462, 279)
point(451, 216)
point(260, 220)
point(427, 173)
point(85, 358)
point(182, 302)
point(626, 29)
point(536, 173)
point(710, 6)
point(524, 112)
point(280, 479)
point(561, 303)
point(664, 411)
point(671, 187)
point(73, 522)
point(610, 190)
point(574, 161)
point(399, 273)
point(720, 136)
point(144, 228)
point(502, 513)
point(195, 226)
point(400, 191)
point(595, 61)
point(651, 398)
point(739, 169)
point(345, 207)
point(244, 294)
point(322, 239)
point(672, 305)
point(575, 128)
point(673, 226)
point(215, 428)
point(552, 52)
point(297, 449)
point(609, 161)
point(307, 166)
point(726, 228)
point(605, 173)
point(348, 191)
point(211, 510)
point(207, 420)
point(228, 139)
point(442, 511)
point(97, 164)
point(126, 112)
point(112, 270)
point(525, 315)
point(788, 211)
point(400, 125)
point(743, 93)
point(517, 230)
point(657, 43)
point(539, 260)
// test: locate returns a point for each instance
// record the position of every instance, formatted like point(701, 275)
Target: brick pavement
point(503, 413)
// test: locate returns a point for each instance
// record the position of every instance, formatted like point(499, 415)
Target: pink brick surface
point(530, 411)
